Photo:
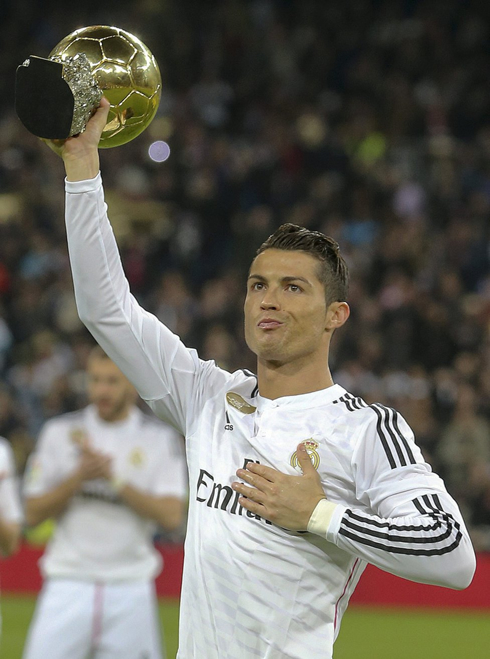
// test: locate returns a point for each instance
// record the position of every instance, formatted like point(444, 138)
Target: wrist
point(118, 483)
point(78, 476)
point(321, 517)
point(82, 168)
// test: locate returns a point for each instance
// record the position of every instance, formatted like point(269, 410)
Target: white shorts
point(82, 620)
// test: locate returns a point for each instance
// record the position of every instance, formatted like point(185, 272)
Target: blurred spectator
point(464, 447)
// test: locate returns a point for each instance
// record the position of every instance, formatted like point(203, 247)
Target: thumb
point(99, 118)
point(305, 460)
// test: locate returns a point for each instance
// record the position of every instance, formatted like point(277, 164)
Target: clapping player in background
point(108, 474)
point(326, 482)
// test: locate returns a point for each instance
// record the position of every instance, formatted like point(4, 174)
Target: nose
point(270, 300)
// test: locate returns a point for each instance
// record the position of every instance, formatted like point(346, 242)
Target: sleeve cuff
point(78, 187)
point(325, 519)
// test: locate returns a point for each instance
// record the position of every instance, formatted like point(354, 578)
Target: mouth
point(268, 324)
point(102, 403)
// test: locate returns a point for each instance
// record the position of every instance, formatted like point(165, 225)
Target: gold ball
point(125, 70)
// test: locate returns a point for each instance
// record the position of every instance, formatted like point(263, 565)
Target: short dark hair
point(333, 273)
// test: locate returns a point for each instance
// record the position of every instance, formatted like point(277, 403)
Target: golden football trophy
point(56, 97)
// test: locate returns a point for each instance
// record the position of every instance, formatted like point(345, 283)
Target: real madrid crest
point(79, 437)
point(136, 457)
point(311, 448)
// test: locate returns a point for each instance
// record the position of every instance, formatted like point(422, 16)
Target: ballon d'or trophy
point(55, 97)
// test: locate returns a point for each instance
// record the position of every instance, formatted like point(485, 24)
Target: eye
point(294, 288)
point(257, 286)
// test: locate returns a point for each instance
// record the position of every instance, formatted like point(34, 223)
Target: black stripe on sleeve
point(410, 538)
point(404, 550)
point(383, 438)
point(437, 501)
point(356, 402)
point(347, 403)
point(390, 430)
point(395, 444)
point(441, 526)
point(399, 527)
point(410, 455)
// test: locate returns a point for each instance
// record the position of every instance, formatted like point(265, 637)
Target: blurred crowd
point(368, 120)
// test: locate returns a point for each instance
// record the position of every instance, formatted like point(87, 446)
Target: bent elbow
point(10, 543)
point(33, 516)
point(172, 522)
point(462, 576)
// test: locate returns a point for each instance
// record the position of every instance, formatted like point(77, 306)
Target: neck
point(117, 415)
point(291, 379)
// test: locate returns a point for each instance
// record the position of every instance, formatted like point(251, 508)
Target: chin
point(273, 357)
point(105, 414)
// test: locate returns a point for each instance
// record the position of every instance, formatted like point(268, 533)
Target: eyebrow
point(287, 279)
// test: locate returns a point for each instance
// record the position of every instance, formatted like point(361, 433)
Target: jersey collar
point(301, 401)
point(130, 420)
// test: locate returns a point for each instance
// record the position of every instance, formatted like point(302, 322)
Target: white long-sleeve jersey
point(10, 505)
point(251, 589)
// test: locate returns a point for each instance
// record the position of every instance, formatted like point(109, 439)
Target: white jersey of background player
point(345, 478)
point(107, 473)
point(10, 506)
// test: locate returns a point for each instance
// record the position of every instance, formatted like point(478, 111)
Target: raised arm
point(151, 356)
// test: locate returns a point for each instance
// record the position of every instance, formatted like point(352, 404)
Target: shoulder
point(68, 419)
point(224, 378)
point(244, 382)
point(381, 430)
point(64, 423)
point(355, 411)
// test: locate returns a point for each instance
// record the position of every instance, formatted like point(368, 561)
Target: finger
point(253, 506)
point(254, 479)
point(251, 493)
point(305, 461)
point(268, 473)
point(99, 118)
point(94, 128)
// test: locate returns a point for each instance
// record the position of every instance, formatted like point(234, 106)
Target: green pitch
point(366, 633)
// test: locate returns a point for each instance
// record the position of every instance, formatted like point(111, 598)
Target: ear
point(337, 314)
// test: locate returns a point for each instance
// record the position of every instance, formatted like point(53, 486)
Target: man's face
point(108, 389)
point(286, 315)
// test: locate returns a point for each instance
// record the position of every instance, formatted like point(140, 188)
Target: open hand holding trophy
point(55, 97)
